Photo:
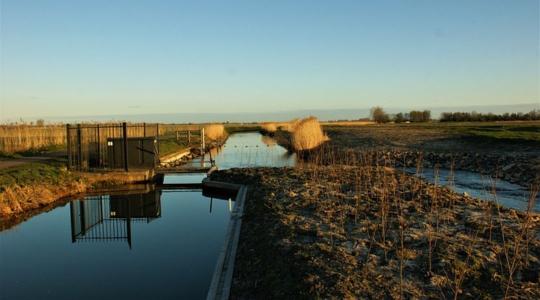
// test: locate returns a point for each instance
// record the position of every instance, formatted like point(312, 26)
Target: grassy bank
point(370, 232)
point(32, 186)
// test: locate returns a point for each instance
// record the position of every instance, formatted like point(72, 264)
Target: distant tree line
point(480, 117)
point(413, 116)
point(380, 116)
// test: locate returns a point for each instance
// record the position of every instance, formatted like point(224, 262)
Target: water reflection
point(109, 217)
point(247, 150)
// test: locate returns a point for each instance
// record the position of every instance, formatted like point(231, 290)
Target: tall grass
point(215, 132)
point(269, 127)
point(308, 134)
point(17, 138)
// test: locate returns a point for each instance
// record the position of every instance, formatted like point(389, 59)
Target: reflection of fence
point(109, 218)
point(90, 145)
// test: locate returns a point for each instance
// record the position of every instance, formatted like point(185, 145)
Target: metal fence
point(91, 146)
point(126, 146)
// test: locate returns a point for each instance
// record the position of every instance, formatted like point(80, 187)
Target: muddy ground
point(516, 160)
point(365, 232)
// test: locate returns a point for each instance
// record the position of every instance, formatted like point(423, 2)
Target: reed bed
point(348, 224)
point(308, 134)
point(18, 138)
point(215, 132)
point(269, 127)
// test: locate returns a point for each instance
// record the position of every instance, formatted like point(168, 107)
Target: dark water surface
point(156, 244)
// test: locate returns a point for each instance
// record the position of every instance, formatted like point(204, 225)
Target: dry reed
point(16, 138)
point(269, 127)
point(215, 132)
point(308, 134)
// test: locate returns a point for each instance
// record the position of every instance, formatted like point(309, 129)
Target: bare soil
point(372, 232)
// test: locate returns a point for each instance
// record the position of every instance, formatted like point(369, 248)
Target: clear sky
point(69, 58)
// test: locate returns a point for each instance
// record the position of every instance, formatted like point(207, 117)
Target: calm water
point(249, 149)
point(152, 245)
point(479, 186)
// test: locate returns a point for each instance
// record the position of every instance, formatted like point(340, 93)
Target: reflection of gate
point(109, 218)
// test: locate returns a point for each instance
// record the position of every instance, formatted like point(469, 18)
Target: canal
point(153, 244)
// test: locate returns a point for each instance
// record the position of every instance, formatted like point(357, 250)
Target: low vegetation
point(367, 231)
point(32, 186)
point(19, 138)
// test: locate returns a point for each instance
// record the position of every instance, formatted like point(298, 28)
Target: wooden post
point(68, 142)
point(124, 130)
point(98, 147)
point(157, 138)
point(144, 129)
point(79, 147)
point(203, 146)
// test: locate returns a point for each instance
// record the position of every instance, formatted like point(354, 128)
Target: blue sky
point(70, 58)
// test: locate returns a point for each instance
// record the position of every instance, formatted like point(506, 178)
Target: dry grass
point(20, 198)
point(289, 126)
point(269, 127)
point(16, 138)
point(308, 134)
point(347, 123)
point(215, 132)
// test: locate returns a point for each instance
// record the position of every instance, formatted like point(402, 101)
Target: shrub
point(308, 134)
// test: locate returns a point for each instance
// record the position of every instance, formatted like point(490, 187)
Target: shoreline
point(515, 169)
point(17, 203)
point(20, 202)
point(369, 232)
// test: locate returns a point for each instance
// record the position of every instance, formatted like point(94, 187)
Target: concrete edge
point(220, 287)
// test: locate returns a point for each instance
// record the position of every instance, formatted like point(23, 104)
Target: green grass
point(513, 131)
point(169, 146)
point(51, 173)
point(34, 152)
point(242, 128)
point(524, 132)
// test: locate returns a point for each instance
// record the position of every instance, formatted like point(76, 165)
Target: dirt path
point(13, 162)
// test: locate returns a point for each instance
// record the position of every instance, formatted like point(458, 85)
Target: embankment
point(36, 187)
point(372, 233)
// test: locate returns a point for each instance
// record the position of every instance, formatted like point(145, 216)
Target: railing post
point(124, 130)
point(144, 129)
point(79, 147)
point(203, 146)
point(68, 145)
point(157, 138)
point(98, 145)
